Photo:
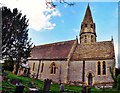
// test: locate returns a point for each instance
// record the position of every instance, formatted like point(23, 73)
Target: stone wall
point(91, 67)
point(88, 37)
point(75, 71)
point(61, 70)
point(59, 77)
point(31, 62)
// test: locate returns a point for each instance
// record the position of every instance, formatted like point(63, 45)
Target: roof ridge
point(55, 43)
point(104, 41)
point(95, 43)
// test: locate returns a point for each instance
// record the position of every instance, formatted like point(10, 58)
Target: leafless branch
point(51, 4)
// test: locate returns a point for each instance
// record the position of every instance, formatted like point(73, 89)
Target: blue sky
point(68, 24)
point(63, 23)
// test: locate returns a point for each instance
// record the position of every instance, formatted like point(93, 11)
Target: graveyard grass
point(7, 87)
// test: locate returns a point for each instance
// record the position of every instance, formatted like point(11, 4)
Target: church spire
point(87, 32)
point(88, 16)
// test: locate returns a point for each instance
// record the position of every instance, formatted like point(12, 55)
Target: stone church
point(72, 62)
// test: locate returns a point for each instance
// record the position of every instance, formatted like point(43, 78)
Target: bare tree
point(51, 4)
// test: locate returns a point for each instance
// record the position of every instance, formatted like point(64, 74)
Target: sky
point(63, 22)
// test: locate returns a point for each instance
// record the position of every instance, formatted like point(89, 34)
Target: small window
point(91, 26)
point(104, 68)
point(98, 68)
point(91, 38)
point(85, 25)
point(53, 68)
point(33, 66)
point(42, 67)
point(85, 39)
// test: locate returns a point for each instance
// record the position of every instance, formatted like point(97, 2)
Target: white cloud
point(75, 30)
point(50, 26)
point(39, 16)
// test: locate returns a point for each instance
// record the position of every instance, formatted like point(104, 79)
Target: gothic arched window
point(53, 68)
point(104, 68)
point(98, 68)
point(85, 25)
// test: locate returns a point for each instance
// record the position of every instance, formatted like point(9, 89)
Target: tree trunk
point(16, 67)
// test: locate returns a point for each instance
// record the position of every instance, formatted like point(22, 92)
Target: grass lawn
point(7, 87)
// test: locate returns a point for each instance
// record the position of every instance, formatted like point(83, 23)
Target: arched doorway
point(90, 79)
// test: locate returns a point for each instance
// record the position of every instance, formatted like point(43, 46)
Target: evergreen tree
point(15, 44)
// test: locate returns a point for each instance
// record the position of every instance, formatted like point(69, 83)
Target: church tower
point(87, 32)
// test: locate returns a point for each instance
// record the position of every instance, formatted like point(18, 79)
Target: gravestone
point(19, 88)
point(84, 89)
point(89, 89)
point(47, 83)
point(62, 88)
point(15, 82)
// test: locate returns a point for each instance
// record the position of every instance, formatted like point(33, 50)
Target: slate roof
point(98, 50)
point(59, 50)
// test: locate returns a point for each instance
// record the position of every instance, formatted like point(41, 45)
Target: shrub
point(113, 76)
point(118, 82)
point(8, 65)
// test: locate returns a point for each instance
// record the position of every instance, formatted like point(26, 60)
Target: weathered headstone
point(19, 88)
point(84, 89)
point(62, 88)
point(15, 82)
point(89, 89)
point(47, 84)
